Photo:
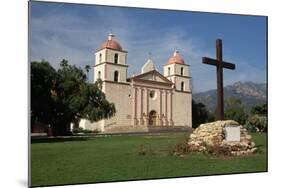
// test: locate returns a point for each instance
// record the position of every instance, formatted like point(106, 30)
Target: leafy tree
point(200, 114)
point(235, 110)
point(87, 69)
point(257, 121)
point(42, 80)
point(259, 109)
point(72, 98)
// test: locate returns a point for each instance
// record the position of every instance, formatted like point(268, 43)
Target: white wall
point(182, 79)
point(185, 69)
point(121, 56)
point(119, 95)
point(154, 102)
point(108, 56)
point(122, 72)
point(97, 56)
point(182, 112)
point(94, 126)
point(166, 67)
point(108, 67)
point(100, 68)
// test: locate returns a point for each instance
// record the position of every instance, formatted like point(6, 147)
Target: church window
point(116, 58)
point(116, 74)
point(152, 94)
point(182, 71)
point(182, 86)
point(169, 71)
point(100, 58)
point(99, 75)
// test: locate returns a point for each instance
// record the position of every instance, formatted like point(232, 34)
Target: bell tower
point(110, 62)
point(178, 72)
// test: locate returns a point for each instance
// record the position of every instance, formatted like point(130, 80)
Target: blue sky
point(74, 32)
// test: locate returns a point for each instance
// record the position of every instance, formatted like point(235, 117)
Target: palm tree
point(64, 63)
point(87, 68)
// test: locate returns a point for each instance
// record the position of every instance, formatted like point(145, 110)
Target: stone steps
point(169, 129)
point(152, 129)
point(125, 129)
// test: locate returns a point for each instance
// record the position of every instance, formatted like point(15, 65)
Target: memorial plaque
point(232, 133)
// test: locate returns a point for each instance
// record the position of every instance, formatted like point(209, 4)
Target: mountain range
point(249, 93)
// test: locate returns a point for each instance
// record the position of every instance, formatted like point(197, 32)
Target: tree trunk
point(61, 129)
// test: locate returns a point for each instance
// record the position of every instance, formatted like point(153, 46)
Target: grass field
point(116, 158)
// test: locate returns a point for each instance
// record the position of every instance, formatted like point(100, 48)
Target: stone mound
point(210, 137)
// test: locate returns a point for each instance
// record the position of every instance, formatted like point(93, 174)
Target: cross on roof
point(149, 55)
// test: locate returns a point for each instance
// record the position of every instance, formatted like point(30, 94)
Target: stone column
point(171, 123)
point(134, 106)
point(147, 107)
point(141, 106)
point(166, 107)
point(160, 122)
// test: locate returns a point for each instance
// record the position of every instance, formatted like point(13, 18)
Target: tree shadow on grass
point(57, 140)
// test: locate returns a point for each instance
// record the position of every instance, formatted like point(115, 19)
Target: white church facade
point(144, 101)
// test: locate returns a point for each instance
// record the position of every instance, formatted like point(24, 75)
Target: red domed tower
point(177, 71)
point(110, 61)
point(111, 44)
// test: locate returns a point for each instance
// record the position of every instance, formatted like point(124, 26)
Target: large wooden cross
point(220, 64)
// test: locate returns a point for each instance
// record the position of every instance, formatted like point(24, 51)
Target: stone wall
point(182, 109)
point(211, 136)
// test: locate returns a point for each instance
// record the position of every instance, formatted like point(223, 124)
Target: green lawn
point(115, 158)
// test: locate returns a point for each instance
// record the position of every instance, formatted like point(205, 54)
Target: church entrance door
point(152, 118)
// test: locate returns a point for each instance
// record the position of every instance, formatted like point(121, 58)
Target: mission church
point(144, 101)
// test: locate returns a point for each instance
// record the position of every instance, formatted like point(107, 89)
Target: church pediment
point(152, 76)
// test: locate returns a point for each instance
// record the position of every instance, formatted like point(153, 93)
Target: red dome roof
point(176, 58)
point(110, 43)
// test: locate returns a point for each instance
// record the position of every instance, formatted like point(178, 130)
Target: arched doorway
point(152, 118)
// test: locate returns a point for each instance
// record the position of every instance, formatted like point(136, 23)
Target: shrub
point(259, 122)
point(142, 150)
point(217, 150)
point(181, 148)
point(200, 114)
point(237, 114)
point(259, 110)
point(78, 130)
point(234, 109)
point(91, 131)
point(81, 130)
point(250, 127)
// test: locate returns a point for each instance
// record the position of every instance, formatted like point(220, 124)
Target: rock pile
point(210, 137)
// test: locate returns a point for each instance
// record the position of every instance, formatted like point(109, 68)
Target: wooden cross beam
point(220, 64)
